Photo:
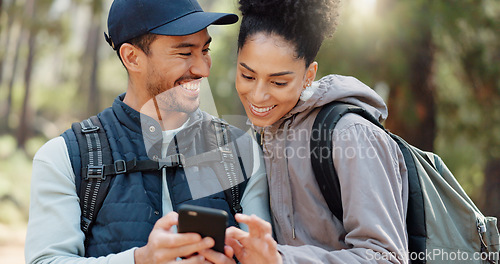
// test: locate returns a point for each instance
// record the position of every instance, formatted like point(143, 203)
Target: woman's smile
point(261, 111)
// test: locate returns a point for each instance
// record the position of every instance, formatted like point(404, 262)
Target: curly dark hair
point(305, 23)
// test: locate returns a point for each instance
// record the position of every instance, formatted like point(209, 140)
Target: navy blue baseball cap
point(128, 19)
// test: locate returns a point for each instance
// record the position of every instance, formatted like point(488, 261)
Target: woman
point(278, 42)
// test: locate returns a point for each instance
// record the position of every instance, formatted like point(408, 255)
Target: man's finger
point(216, 257)
point(188, 250)
point(167, 221)
point(198, 259)
point(171, 240)
point(184, 251)
point(228, 251)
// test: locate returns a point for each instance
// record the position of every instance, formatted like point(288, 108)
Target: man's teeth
point(191, 86)
point(262, 110)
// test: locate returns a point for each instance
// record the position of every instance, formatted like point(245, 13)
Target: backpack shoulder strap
point(97, 168)
point(321, 151)
point(328, 180)
point(94, 153)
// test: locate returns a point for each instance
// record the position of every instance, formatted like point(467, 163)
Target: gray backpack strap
point(95, 153)
point(231, 175)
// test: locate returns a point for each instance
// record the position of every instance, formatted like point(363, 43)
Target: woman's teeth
point(261, 110)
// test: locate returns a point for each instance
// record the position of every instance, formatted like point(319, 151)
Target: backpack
point(443, 223)
point(98, 167)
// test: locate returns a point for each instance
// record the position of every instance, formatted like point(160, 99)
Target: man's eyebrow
point(189, 45)
point(270, 75)
point(208, 41)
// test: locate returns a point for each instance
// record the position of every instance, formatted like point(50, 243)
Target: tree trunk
point(24, 129)
point(94, 102)
point(423, 88)
point(10, 22)
point(422, 131)
point(90, 61)
point(13, 78)
point(5, 109)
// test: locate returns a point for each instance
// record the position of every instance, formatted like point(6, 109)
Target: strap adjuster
point(95, 172)
point(176, 160)
point(90, 129)
point(120, 166)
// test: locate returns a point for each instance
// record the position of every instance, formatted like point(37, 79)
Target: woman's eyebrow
point(271, 75)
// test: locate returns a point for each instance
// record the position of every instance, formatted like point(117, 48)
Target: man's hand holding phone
point(207, 222)
point(166, 246)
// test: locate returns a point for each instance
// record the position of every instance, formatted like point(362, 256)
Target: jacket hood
point(345, 89)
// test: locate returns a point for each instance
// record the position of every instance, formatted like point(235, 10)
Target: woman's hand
point(258, 246)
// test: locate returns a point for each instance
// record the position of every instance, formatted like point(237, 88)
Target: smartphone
point(208, 222)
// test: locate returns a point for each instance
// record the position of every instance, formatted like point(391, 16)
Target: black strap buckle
point(89, 129)
point(95, 172)
point(176, 160)
point(120, 166)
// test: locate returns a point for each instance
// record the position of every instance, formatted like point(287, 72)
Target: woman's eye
point(185, 54)
point(206, 50)
point(247, 77)
point(280, 83)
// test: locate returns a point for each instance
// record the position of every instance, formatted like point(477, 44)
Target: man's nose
point(201, 66)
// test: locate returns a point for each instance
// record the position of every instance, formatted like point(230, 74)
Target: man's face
point(175, 67)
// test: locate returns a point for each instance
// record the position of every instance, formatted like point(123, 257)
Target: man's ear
point(311, 72)
point(132, 57)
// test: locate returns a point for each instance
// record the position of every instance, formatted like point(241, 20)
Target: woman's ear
point(311, 72)
point(132, 57)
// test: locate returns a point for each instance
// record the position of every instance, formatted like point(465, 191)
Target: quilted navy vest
point(134, 200)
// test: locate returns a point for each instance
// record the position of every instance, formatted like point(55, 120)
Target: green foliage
point(15, 176)
point(377, 46)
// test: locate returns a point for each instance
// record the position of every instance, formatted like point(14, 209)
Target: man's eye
point(185, 54)
point(206, 50)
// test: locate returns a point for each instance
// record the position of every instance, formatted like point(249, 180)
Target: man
point(164, 46)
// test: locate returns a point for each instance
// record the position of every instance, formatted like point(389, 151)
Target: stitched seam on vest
point(116, 242)
point(123, 221)
point(112, 203)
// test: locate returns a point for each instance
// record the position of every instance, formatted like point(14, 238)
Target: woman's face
point(269, 77)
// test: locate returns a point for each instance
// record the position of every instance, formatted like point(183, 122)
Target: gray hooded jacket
point(372, 176)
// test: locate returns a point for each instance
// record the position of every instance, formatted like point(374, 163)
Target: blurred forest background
point(436, 63)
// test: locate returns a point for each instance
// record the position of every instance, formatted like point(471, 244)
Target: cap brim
point(194, 22)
